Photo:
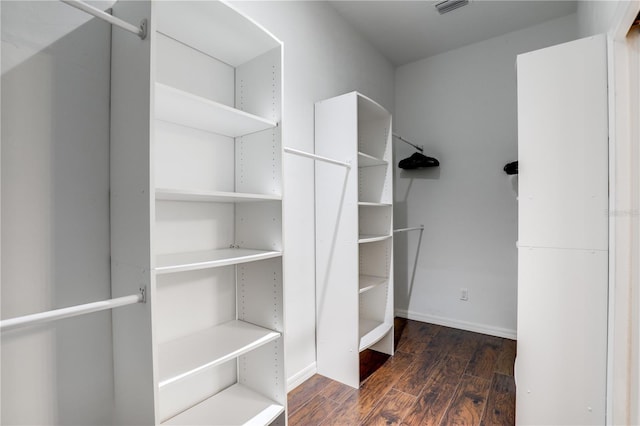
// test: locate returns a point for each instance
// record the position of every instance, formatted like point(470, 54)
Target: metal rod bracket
point(143, 294)
point(143, 29)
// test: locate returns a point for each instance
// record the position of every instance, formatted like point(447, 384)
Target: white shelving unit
point(196, 157)
point(354, 276)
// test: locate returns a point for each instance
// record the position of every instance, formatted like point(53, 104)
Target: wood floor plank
point(416, 328)
point(415, 378)
point(437, 393)
point(483, 361)
point(413, 336)
point(307, 390)
point(391, 410)
point(501, 403)
point(349, 412)
point(467, 343)
point(414, 346)
point(449, 340)
point(436, 372)
point(507, 358)
point(443, 341)
point(337, 392)
point(313, 412)
point(358, 406)
point(370, 362)
point(468, 403)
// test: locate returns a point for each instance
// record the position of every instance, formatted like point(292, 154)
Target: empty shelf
point(236, 405)
point(165, 194)
point(372, 238)
point(371, 331)
point(213, 28)
point(366, 160)
point(370, 110)
point(179, 262)
point(188, 355)
point(368, 282)
point(180, 107)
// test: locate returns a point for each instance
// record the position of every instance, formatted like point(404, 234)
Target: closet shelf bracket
point(140, 30)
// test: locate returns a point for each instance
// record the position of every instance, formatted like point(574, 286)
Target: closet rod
point(71, 311)
point(316, 157)
point(419, 148)
point(416, 228)
point(140, 31)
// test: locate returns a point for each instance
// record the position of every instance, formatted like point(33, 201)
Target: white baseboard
point(463, 325)
point(301, 376)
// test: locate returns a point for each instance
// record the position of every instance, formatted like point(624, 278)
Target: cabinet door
point(562, 256)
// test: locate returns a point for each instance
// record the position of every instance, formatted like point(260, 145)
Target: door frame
point(624, 236)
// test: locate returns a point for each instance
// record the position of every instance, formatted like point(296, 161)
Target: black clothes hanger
point(511, 168)
point(417, 161)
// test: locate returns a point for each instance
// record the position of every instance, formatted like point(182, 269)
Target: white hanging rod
point(416, 228)
point(140, 31)
point(71, 311)
point(316, 157)
point(419, 148)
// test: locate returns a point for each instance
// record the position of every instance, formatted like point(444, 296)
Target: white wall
point(596, 16)
point(461, 105)
point(323, 57)
point(55, 213)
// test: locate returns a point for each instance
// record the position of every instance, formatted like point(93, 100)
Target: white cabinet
point(562, 231)
point(354, 248)
point(196, 210)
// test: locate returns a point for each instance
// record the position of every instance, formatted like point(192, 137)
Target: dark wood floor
point(438, 376)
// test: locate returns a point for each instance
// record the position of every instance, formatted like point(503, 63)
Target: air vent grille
point(449, 5)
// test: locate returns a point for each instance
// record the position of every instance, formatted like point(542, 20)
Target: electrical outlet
point(464, 294)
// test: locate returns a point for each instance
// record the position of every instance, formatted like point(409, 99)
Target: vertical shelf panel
point(131, 216)
point(337, 241)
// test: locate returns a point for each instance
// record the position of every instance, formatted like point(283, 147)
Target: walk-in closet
point(327, 212)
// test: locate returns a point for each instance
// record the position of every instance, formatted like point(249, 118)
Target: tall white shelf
point(354, 236)
point(196, 210)
point(561, 366)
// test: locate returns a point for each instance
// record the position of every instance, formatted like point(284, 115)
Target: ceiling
point(405, 31)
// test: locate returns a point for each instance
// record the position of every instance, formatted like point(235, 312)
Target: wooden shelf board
point(368, 282)
point(180, 262)
point(168, 194)
point(366, 160)
point(191, 354)
point(371, 332)
point(180, 107)
point(236, 405)
point(372, 238)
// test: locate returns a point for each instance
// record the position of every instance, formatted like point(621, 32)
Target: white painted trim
point(301, 376)
point(620, 403)
point(454, 323)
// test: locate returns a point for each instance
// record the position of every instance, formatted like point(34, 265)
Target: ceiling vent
point(449, 5)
